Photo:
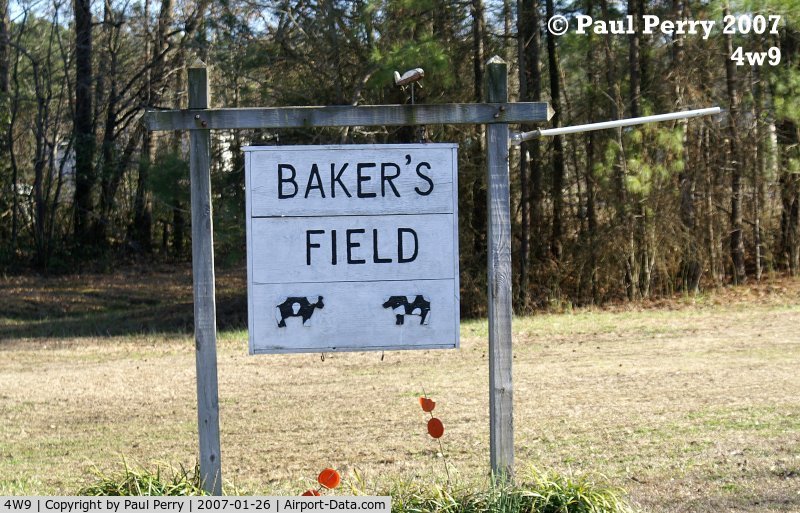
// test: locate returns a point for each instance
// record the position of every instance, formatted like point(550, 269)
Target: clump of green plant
point(556, 493)
point(540, 493)
point(164, 480)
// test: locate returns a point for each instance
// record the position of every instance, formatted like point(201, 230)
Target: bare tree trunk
point(691, 265)
point(538, 249)
point(107, 164)
point(478, 53)
point(335, 48)
point(790, 221)
point(758, 169)
point(42, 155)
point(5, 133)
point(12, 161)
point(633, 60)
point(691, 270)
point(589, 176)
point(558, 145)
point(478, 220)
point(139, 230)
point(39, 166)
point(591, 214)
point(770, 174)
point(789, 135)
point(708, 195)
point(178, 229)
point(530, 80)
point(638, 226)
point(84, 130)
point(737, 234)
point(525, 199)
point(142, 226)
point(507, 35)
point(619, 186)
point(4, 35)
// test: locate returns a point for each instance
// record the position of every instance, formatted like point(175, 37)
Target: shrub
point(538, 493)
point(164, 480)
point(554, 493)
point(541, 493)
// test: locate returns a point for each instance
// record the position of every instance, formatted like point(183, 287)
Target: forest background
point(596, 217)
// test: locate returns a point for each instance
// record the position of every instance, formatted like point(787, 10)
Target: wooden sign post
point(497, 113)
point(501, 389)
point(205, 310)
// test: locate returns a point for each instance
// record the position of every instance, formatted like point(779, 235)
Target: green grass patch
point(540, 492)
point(19, 486)
point(164, 480)
point(774, 420)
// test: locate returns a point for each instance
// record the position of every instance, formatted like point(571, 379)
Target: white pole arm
point(517, 138)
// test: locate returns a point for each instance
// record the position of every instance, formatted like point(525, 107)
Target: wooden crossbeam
point(346, 115)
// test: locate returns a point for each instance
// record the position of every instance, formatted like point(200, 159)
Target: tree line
point(618, 214)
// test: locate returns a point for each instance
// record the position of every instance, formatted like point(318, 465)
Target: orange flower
point(435, 428)
point(427, 404)
point(329, 478)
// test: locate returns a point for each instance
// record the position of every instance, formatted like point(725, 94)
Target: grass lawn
point(688, 404)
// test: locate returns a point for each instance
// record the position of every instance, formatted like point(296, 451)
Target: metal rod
point(517, 138)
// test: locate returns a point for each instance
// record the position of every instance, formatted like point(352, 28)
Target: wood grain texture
point(345, 115)
point(501, 390)
point(205, 324)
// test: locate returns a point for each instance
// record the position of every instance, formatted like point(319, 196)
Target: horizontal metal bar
point(346, 115)
point(545, 132)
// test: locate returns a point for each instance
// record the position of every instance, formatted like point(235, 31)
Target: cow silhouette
point(297, 307)
point(409, 305)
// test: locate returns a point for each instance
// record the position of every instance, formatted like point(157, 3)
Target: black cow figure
point(296, 307)
point(405, 305)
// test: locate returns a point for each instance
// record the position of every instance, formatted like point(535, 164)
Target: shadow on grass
point(125, 302)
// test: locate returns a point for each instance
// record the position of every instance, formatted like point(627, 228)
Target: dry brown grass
point(691, 406)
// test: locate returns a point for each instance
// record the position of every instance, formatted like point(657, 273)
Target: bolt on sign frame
point(496, 113)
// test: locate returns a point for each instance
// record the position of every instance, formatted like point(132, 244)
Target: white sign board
point(352, 248)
